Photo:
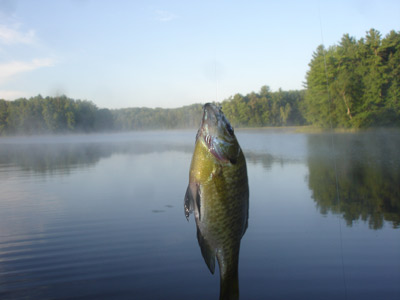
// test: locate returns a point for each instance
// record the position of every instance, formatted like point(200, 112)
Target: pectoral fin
point(192, 198)
point(207, 251)
point(189, 203)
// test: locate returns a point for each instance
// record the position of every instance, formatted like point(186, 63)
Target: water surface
point(101, 217)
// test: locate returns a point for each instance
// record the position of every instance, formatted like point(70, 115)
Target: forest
point(354, 84)
point(39, 115)
point(360, 79)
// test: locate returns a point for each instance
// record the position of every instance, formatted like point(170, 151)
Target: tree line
point(266, 108)
point(353, 84)
point(39, 115)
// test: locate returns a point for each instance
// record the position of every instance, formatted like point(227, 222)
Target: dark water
point(101, 217)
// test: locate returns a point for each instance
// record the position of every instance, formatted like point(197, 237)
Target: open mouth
point(214, 124)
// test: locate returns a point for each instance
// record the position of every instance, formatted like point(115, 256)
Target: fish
point(218, 196)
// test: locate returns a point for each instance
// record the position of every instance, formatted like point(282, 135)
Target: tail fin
point(229, 286)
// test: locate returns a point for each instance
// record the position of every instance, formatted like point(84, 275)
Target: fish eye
point(230, 129)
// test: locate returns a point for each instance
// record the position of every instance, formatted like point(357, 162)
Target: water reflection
point(368, 164)
point(64, 154)
point(368, 174)
point(112, 226)
point(48, 158)
point(267, 160)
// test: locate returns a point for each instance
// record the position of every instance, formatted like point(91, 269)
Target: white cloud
point(10, 69)
point(9, 36)
point(164, 16)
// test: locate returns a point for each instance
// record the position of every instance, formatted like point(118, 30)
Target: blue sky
point(171, 53)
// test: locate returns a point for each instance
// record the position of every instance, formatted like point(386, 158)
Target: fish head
point(218, 135)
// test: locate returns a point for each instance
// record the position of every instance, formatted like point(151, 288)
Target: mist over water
point(101, 217)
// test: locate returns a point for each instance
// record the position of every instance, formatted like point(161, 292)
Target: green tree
point(3, 116)
point(103, 120)
point(317, 98)
point(85, 115)
point(49, 114)
point(346, 88)
point(390, 56)
point(285, 112)
point(356, 83)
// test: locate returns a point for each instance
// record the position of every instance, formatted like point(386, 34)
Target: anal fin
point(207, 251)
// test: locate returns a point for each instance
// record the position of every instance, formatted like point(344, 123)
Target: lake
point(101, 217)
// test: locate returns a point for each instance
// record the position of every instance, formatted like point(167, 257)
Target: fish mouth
point(213, 117)
point(216, 131)
point(211, 112)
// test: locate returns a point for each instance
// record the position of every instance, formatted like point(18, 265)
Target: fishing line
point(217, 72)
point(333, 154)
point(216, 78)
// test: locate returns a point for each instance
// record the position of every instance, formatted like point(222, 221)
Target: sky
point(171, 53)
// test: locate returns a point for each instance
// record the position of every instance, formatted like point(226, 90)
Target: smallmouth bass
point(218, 194)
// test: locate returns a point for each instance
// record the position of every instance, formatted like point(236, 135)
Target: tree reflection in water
point(367, 163)
point(368, 174)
